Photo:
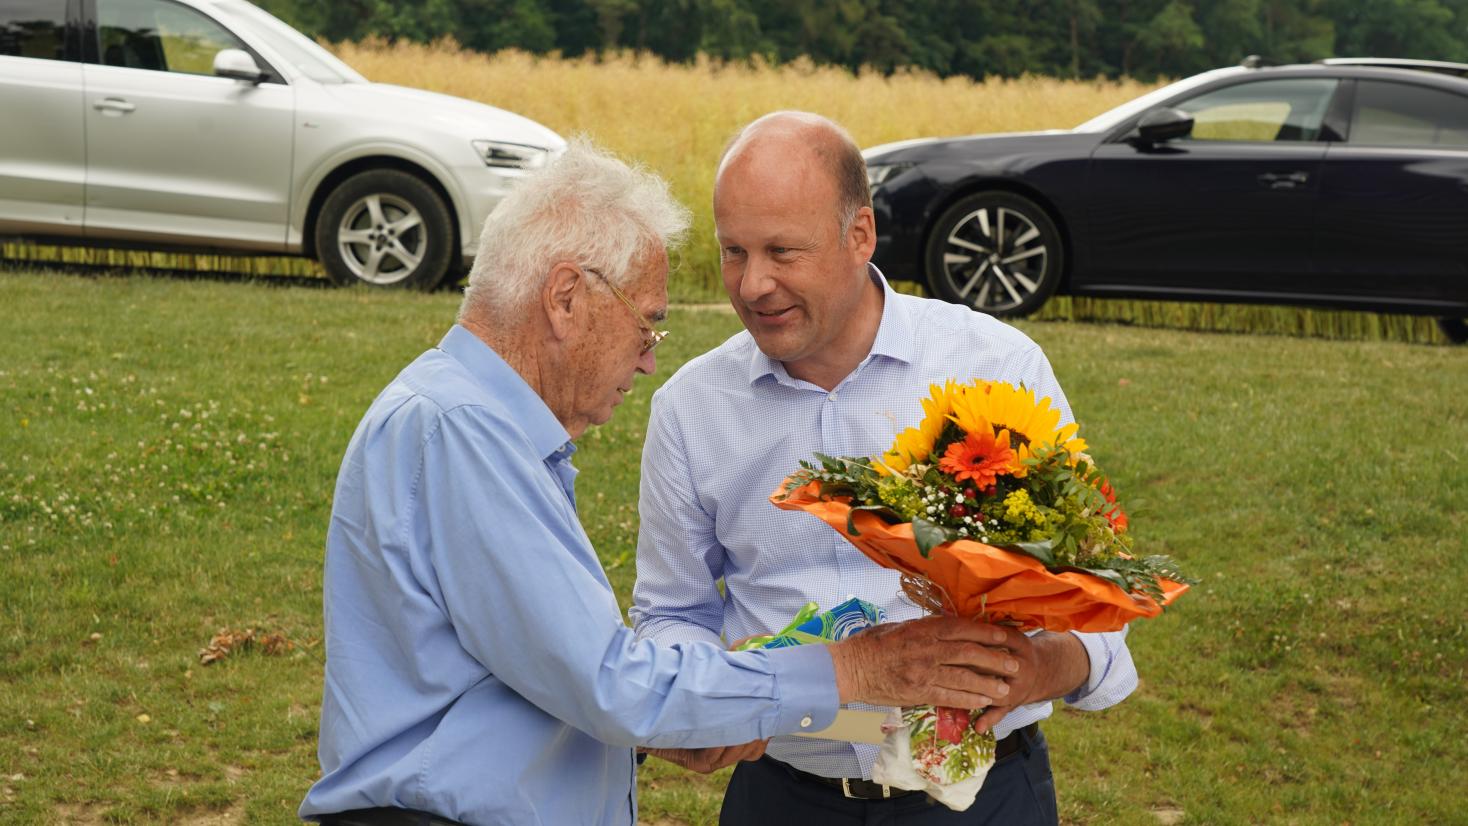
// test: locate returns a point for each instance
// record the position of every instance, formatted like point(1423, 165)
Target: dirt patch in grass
point(232, 816)
point(79, 814)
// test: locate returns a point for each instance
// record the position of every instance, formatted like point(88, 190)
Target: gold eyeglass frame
point(651, 337)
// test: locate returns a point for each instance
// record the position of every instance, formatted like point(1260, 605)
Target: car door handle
point(113, 106)
point(1284, 180)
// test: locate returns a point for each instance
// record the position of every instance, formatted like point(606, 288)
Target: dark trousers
point(1019, 791)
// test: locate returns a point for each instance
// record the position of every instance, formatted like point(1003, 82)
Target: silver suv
point(210, 124)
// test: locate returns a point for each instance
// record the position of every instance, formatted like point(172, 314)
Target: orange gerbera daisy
point(983, 456)
point(1030, 422)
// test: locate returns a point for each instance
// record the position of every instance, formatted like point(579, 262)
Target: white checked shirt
point(730, 425)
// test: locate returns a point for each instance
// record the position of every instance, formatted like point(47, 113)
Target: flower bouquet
point(990, 509)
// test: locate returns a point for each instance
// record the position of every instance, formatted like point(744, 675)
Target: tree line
point(1065, 38)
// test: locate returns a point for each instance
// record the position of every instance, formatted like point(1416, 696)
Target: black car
point(1334, 184)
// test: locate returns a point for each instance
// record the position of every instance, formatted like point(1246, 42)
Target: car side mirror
point(237, 64)
point(1161, 125)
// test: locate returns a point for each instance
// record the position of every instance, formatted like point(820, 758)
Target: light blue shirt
point(477, 663)
point(730, 425)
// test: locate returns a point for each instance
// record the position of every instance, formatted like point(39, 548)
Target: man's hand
point(941, 661)
point(711, 759)
point(1051, 665)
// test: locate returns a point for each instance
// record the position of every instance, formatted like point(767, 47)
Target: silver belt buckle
point(846, 789)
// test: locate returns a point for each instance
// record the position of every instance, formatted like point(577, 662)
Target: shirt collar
point(895, 338)
point(546, 433)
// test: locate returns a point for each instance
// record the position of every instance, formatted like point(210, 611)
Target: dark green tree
point(1070, 38)
point(1397, 28)
point(1171, 38)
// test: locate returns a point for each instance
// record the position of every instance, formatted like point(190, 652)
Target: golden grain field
point(676, 118)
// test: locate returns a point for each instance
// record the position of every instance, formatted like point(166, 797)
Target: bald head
point(796, 234)
point(790, 137)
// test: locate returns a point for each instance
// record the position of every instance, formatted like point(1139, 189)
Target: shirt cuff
point(1112, 677)
point(805, 679)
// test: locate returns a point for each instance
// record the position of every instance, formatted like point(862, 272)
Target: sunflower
point(982, 457)
point(915, 444)
point(998, 406)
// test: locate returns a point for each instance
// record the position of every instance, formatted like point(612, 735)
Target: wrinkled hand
point(941, 661)
point(713, 758)
point(1050, 666)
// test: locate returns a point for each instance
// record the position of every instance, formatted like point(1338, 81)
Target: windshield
point(304, 54)
point(1108, 120)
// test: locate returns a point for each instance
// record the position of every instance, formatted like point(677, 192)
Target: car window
point(300, 51)
point(1398, 114)
point(156, 34)
point(1265, 110)
point(33, 28)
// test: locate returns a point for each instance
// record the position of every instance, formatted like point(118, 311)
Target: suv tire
point(386, 228)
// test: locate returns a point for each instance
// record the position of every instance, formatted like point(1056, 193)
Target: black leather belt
point(1015, 740)
point(386, 817)
point(856, 787)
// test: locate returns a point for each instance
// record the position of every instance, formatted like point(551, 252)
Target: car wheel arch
point(973, 186)
point(1454, 329)
point(357, 165)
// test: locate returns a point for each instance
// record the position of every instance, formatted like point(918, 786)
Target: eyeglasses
point(650, 337)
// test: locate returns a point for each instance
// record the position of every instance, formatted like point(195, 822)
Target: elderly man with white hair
point(478, 669)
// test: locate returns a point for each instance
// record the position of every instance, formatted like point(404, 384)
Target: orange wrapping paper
point(982, 580)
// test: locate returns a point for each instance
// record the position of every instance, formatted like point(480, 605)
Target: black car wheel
point(996, 252)
point(385, 228)
point(1456, 329)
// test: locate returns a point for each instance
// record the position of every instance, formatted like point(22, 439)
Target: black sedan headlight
point(879, 173)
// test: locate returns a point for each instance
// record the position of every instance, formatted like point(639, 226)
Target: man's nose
point(647, 363)
point(757, 281)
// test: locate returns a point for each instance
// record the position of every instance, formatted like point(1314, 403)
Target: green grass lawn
point(167, 454)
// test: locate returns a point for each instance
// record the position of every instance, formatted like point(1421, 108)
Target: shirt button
point(831, 396)
point(805, 721)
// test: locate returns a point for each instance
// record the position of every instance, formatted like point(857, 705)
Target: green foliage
point(929, 535)
point(1071, 38)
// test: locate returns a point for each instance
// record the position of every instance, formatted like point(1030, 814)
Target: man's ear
point(559, 298)
point(861, 237)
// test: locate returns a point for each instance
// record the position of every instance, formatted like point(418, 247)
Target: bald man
point(831, 361)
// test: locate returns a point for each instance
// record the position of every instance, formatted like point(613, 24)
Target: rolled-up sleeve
point(1113, 675)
